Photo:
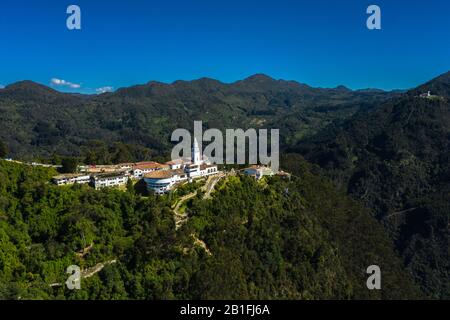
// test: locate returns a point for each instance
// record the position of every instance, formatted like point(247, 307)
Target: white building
point(162, 181)
point(109, 180)
point(200, 170)
point(258, 171)
point(72, 178)
point(177, 164)
point(141, 169)
point(426, 95)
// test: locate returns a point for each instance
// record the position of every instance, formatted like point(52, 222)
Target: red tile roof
point(160, 174)
point(149, 165)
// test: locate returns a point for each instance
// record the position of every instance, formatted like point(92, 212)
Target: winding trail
point(182, 217)
point(211, 183)
point(208, 188)
point(89, 272)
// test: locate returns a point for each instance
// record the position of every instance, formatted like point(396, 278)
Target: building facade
point(141, 169)
point(258, 171)
point(109, 180)
point(68, 179)
point(181, 170)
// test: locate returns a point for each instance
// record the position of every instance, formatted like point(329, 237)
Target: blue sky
point(323, 43)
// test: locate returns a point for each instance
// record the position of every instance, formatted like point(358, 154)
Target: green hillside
point(279, 239)
point(395, 159)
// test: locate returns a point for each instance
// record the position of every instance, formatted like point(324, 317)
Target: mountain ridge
point(395, 159)
point(258, 78)
point(439, 85)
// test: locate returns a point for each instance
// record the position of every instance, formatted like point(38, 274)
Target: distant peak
point(24, 83)
point(342, 88)
point(207, 80)
point(203, 80)
point(445, 77)
point(259, 77)
point(156, 83)
point(28, 85)
point(370, 90)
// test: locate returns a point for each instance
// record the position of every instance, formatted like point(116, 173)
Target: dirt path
point(211, 183)
point(89, 272)
point(181, 217)
point(201, 244)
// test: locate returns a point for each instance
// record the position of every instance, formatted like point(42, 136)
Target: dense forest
point(396, 161)
point(275, 239)
point(374, 189)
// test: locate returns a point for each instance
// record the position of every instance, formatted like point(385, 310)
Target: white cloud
point(64, 83)
point(104, 89)
point(2, 86)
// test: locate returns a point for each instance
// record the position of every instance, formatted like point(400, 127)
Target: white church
point(180, 170)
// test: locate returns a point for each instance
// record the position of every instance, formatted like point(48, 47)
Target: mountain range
point(389, 151)
point(38, 121)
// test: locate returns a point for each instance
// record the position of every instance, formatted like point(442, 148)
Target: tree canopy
point(275, 239)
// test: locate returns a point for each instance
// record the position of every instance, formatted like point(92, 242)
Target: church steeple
point(196, 155)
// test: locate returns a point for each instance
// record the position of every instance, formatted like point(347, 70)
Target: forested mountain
point(390, 151)
point(396, 160)
point(278, 239)
point(137, 122)
point(438, 86)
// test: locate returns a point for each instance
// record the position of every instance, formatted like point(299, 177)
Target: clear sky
point(321, 43)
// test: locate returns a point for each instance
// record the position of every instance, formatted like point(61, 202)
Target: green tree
point(69, 165)
point(130, 186)
point(3, 149)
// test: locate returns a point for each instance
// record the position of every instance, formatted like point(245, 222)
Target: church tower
point(196, 155)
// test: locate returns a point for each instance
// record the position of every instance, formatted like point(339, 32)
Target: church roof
point(149, 165)
point(163, 174)
point(160, 174)
point(176, 161)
